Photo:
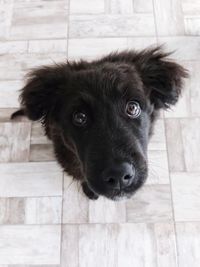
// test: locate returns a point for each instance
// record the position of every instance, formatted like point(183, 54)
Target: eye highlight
point(79, 119)
point(133, 109)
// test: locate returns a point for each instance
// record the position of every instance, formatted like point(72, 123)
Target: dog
point(100, 115)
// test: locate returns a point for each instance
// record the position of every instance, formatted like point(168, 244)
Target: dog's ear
point(162, 78)
point(42, 93)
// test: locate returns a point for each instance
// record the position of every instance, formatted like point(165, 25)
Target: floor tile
point(8, 47)
point(42, 152)
point(186, 195)
point(111, 26)
point(192, 25)
point(75, 203)
point(169, 17)
point(37, 135)
point(120, 7)
point(30, 244)
point(151, 204)
point(30, 179)
point(158, 167)
point(188, 237)
point(107, 211)
point(14, 141)
point(86, 7)
point(175, 145)
point(191, 143)
point(157, 140)
point(143, 6)
point(141, 42)
point(48, 46)
point(12, 210)
point(24, 26)
point(9, 94)
point(194, 84)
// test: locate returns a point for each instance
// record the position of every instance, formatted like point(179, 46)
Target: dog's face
point(104, 111)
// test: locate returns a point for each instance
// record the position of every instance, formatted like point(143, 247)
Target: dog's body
point(100, 115)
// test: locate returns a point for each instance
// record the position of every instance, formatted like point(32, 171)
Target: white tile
point(194, 84)
point(143, 6)
point(14, 141)
point(169, 17)
point(45, 210)
point(30, 244)
point(191, 143)
point(107, 211)
point(38, 134)
point(51, 20)
point(70, 238)
point(157, 141)
point(158, 167)
point(141, 42)
point(120, 7)
point(191, 7)
point(75, 203)
point(6, 9)
point(111, 26)
point(86, 6)
point(9, 93)
point(186, 195)
point(42, 152)
point(12, 210)
point(48, 46)
point(175, 145)
point(13, 47)
point(152, 203)
point(29, 179)
point(192, 25)
point(94, 47)
point(184, 47)
point(188, 237)
point(146, 245)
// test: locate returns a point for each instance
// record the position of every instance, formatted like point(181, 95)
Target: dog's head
point(104, 111)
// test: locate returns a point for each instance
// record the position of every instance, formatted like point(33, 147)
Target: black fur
point(101, 89)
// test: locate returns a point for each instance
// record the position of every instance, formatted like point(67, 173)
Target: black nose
point(119, 176)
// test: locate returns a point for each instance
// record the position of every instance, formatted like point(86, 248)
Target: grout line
point(155, 21)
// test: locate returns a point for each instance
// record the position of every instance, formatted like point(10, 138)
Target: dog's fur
point(101, 89)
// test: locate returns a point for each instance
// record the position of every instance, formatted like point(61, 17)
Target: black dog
point(100, 115)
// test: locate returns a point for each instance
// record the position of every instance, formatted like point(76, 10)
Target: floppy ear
point(162, 78)
point(42, 92)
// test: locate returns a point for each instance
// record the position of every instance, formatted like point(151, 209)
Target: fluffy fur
point(101, 89)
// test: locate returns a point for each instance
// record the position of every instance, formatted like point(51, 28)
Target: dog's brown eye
point(133, 109)
point(79, 119)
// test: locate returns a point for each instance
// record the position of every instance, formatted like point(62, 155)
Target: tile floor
point(44, 218)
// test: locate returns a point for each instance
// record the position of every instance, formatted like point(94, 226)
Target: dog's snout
point(119, 176)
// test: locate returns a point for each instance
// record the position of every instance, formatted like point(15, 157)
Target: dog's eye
point(133, 109)
point(79, 119)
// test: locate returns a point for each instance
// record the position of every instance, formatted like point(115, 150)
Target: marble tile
point(51, 20)
point(70, 237)
point(158, 167)
point(30, 179)
point(169, 17)
point(6, 10)
point(111, 26)
point(142, 6)
point(120, 7)
point(157, 141)
point(86, 7)
point(107, 211)
point(30, 244)
point(75, 203)
point(12, 210)
point(9, 94)
point(151, 204)
point(91, 48)
point(48, 46)
point(191, 143)
point(192, 25)
point(42, 152)
point(175, 145)
point(188, 238)
point(45, 210)
point(5, 114)
point(186, 195)
point(14, 141)
point(184, 47)
point(7, 47)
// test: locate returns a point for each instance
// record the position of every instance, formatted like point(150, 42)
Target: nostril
point(110, 181)
point(127, 177)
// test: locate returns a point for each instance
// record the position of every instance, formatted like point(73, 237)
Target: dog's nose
point(119, 176)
